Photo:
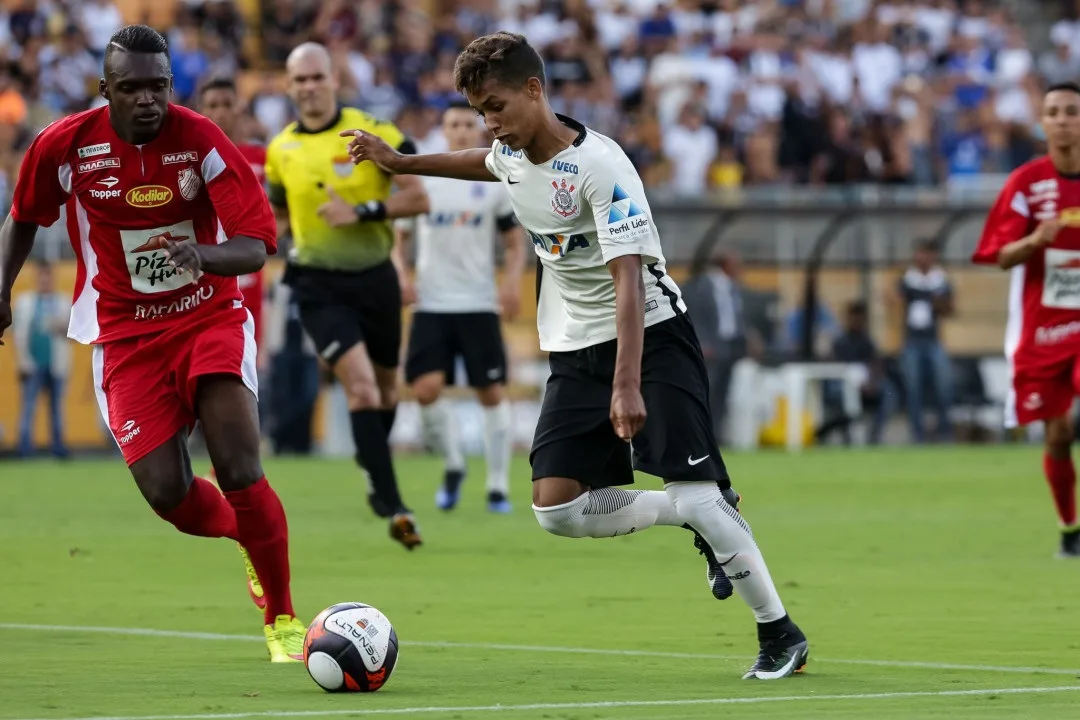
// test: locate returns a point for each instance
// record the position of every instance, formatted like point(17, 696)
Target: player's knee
point(362, 395)
point(490, 396)
point(163, 494)
point(427, 392)
point(388, 397)
point(238, 472)
point(563, 520)
point(1059, 437)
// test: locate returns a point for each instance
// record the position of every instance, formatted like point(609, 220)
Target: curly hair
point(506, 58)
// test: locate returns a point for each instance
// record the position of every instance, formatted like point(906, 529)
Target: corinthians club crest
point(562, 200)
point(189, 183)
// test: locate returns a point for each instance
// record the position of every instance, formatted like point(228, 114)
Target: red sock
point(265, 534)
point(1061, 475)
point(204, 512)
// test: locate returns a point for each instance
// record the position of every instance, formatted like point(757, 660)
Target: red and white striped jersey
point(190, 184)
point(1044, 293)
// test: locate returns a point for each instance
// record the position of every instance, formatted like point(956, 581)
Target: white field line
point(148, 632)
point(584, 705)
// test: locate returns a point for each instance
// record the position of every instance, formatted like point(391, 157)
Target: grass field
point(925, 580)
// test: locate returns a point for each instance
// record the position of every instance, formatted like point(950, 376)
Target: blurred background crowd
point(701, 93)
point(758, 100)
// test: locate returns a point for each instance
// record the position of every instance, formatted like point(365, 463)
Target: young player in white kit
point(625, 363)
point(457, 310)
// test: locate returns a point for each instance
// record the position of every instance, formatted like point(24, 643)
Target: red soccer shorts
point(146, 385)
point(1042, 393)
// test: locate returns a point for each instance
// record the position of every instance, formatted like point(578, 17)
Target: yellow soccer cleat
point(255, 588)
point(285, 639)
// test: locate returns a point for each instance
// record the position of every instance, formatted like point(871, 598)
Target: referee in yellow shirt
point(339, 267)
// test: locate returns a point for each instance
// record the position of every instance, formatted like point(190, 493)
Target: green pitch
point(924, 580)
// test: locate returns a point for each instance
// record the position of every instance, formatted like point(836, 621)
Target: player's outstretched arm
point(16, 242)
point(461, 165)
point(627, 405)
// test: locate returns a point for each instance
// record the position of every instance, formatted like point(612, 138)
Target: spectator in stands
point(715, 301)
point(69, 73)
point(877, 393)
point(926, 297)
point(99, 20)
point(40, 334)
point(690, 146)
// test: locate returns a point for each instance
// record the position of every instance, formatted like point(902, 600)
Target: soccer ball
point(350, 647)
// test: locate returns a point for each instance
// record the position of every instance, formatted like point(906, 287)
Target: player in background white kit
point(625, 362)
point(457, 309)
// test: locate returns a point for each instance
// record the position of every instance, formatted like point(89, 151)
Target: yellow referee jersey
point(301, 165)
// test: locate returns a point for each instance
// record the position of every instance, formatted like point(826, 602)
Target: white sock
point(607, 512)
point(497, 447)
point(442, 431)
point(702, 506)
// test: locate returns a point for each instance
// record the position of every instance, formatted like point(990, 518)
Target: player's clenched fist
point(365, 146)
point(627, 411)
point(1046, 232)
point(184, 257)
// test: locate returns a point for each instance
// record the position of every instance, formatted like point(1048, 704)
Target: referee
point(340, 268)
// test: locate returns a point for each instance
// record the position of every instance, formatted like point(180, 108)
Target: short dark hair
point(928, 245)
point(218, 83)
point(137, 39)
point(459, 104)
point(1067, 86)
point(858, 307)
point(506, 58)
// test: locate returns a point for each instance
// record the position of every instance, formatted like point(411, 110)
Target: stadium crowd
point(701, 93)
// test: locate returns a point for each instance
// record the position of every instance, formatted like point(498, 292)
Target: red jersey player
point(219, 101)
point(164, 213)
point(1033, 231)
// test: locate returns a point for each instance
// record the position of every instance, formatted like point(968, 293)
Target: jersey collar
point(334, 121)
point(570, 122)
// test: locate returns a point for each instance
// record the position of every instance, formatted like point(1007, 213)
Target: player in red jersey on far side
point(219, 101)
point(1033, 231)
point(164, 214)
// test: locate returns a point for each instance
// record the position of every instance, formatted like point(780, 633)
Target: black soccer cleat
point(718, 582)
point(780, 655)
point(1070, 544)
point(448, 494)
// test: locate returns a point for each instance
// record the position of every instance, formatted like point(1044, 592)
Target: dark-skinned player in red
point(1033, 231)
point(164, 214)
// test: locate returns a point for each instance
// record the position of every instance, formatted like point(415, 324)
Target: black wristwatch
point(371, 210)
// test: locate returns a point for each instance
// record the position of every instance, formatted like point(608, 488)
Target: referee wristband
point(372, 210)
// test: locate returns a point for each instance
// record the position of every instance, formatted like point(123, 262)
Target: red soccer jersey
point(1044, 294)
point(190, 184)
point(252, 285)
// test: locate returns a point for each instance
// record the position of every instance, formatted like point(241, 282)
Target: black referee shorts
point(574, 436)
point(340, 309)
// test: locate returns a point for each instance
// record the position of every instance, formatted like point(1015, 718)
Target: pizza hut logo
point(180, 157)
point(1033, 402)
point(189, 183)
point(158, 242)
point(562, 200)
point(149, 196)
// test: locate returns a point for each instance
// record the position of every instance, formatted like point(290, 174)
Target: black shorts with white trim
point(574, 436)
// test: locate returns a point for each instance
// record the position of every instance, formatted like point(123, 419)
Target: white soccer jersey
point(455, 245)
point(582, 209)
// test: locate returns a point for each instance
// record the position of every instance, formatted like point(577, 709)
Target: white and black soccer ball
point(350, 647)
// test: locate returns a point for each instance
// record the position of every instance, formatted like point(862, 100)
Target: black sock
point(773, 629)
point(388, 417)
point(373, 453)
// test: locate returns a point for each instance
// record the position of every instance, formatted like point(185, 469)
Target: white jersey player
point(457, 309)
point(625, 363)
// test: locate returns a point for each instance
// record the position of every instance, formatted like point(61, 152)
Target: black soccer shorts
point(437, 339)
point(574, 436)
point(341, 309)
